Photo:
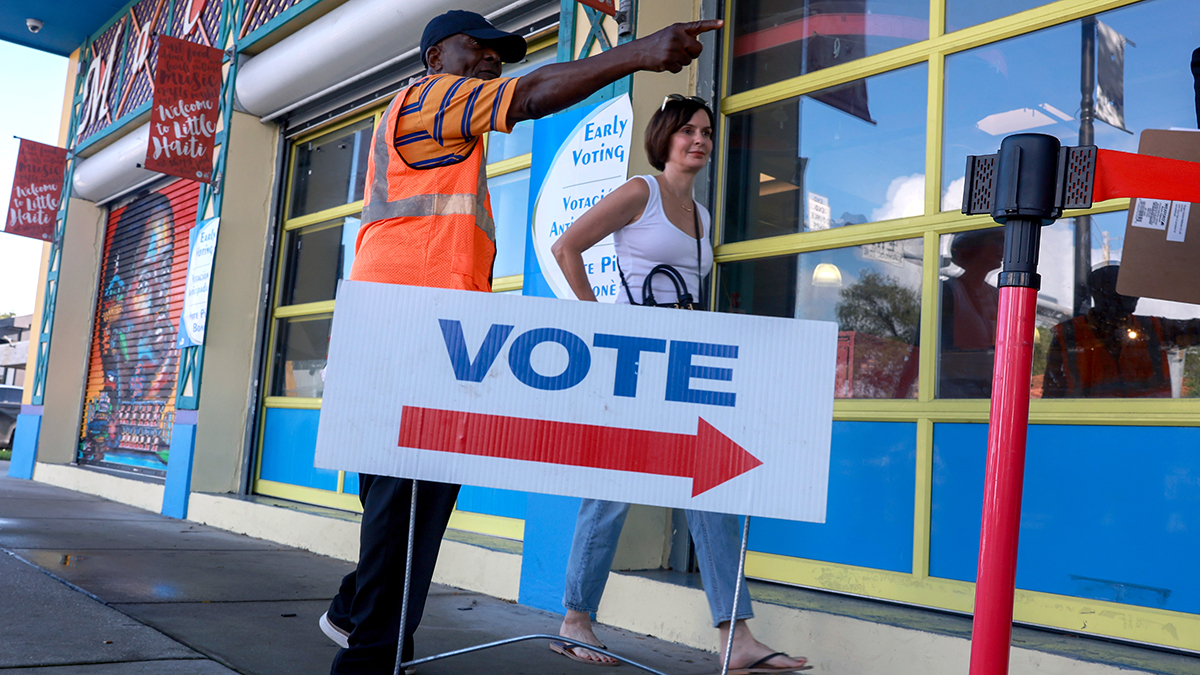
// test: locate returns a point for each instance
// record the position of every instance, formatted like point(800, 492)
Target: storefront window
point(1089, 341)
point(872, 291)
point(966, 13)
point(1032, 83)
point(318, 256)
point(302, 346)
point(774, 40)
point(849, 154)
point(330, 170)
point(520, 140)
point(510, 204)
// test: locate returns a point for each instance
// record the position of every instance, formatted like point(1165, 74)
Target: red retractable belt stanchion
point(1025, 196)
point(992, 630)
point(1025, 187)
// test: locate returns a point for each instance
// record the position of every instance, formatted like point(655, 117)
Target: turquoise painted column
point(25, 442)
point(178, 486)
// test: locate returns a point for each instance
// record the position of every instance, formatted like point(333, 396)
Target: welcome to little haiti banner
point(183, 121)
point(36, 191)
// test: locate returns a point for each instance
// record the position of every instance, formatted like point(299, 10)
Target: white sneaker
point(334, 632)
point(342, 638)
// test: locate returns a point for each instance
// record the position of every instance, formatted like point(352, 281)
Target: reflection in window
point(330, 170)
point(302, 346)
point(520, 140)
point(872, 291)
point(853, 153)
point(1140, 56)
point(969, 303)
point(966, 13)
point(774, 40)
point(317, 256)
point(1089, 341)
point(510, 205)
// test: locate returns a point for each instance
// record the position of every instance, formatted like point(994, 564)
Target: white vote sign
point(718, 412)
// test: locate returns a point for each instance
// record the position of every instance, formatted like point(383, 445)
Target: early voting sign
point(202, 248)
point(719, 412)
point(578, 157)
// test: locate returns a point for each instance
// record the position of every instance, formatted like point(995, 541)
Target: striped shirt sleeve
point(443, 115)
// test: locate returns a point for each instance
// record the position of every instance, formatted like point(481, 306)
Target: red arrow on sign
point(709, 457)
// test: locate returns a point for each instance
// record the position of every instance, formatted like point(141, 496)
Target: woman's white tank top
point(653, 240)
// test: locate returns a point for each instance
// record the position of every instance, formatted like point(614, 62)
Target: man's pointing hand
point(675, 46)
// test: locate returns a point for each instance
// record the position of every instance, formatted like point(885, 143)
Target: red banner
point(183, 123)
point(609, 7)
point(37, 188)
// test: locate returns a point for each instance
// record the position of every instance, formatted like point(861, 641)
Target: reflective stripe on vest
point(387, 168)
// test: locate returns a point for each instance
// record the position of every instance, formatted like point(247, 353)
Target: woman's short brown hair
point(670, 118)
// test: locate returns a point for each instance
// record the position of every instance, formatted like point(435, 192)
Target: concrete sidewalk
point(92, 586)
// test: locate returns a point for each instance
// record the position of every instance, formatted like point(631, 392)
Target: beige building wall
point(227, 393)
point(650, 88)
point(70, 341)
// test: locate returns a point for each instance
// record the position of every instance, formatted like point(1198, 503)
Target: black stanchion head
point(1027, 178)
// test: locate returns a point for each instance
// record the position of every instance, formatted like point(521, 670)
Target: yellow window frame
point(1172, 629)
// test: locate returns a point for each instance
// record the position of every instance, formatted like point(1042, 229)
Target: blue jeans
point(597, 529)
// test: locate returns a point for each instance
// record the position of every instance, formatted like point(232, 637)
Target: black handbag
point(683, 299)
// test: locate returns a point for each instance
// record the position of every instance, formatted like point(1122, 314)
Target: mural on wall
point(120, 61)
point(259, 12)
point(130, 399)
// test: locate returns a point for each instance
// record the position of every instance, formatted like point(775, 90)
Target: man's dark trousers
point(370, 596)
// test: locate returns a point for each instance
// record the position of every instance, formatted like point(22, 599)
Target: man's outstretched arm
point(558, 86)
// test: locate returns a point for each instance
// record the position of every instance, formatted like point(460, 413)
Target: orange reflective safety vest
point(1134, 367)
point(424, 227)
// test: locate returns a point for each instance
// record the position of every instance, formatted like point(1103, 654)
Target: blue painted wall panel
point(869, 519)
point(1109, 513)
point(289, 445)
point(492, 501)
point(549, 528)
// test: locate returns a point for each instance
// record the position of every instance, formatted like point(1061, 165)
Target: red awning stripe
point(878, 25)
point(1124, 174)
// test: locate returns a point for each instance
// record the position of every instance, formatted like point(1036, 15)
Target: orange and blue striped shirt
point(443, 117)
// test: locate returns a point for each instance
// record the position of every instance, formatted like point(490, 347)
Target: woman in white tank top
point(655, 221)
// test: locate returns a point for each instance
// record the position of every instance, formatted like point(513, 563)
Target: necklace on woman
point(682, 205)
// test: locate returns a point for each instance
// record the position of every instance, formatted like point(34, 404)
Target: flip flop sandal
point(759, 667)
point(567, 651)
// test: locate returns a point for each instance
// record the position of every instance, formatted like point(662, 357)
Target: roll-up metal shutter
point(129, 405)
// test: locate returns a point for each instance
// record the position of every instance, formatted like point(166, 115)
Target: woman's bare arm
point(618, 209)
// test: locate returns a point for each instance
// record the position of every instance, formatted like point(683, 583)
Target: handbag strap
point(624, 283)
point(699, 263)
point(681, 293)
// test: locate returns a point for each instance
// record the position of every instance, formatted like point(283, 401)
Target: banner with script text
point(183, 119)
point(36, 190)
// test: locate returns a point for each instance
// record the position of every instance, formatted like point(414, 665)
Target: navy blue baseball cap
point(510, 47)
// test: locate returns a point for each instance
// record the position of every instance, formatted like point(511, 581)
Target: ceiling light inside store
point(1002, 124)
point(827, 274)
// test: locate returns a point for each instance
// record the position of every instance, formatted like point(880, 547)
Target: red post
point(991, 633)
